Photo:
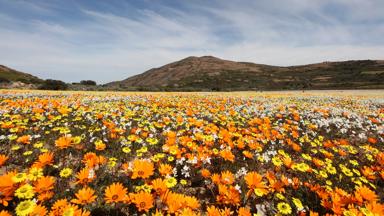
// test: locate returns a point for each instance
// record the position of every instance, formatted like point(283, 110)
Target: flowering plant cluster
point(190, 154)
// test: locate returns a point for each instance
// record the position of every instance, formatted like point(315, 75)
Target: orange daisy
point(44, 159)
point(85, 176)
point(255, 183)
point(142, 169)
point(159, 186)
point(45, 196)
point(63, 142)
point(243, 211)
point(44, 184)
point(26, 139)
point(142, 200)
point(205, 173)
point(58, 207)
point(213, 211)
point(5, 213)
point(227, 155)
point(39, 210)
point(115, 193)
point(174, 202)
point(227, 177)
point(84, 196)
point(165, 169)
point(366, 193)
point(3, 159)
point(71, 209)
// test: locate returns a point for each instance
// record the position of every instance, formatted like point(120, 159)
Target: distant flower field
point(79, 153)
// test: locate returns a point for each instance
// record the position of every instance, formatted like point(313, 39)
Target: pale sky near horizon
point(105, 41)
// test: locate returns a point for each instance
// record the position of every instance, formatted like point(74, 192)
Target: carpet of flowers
point(70, 153)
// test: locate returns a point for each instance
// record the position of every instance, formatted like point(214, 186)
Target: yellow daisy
point(25, 192)
point(25, 208)
point(19, 177)
point(284, 208)
point(35, 173)
point(170, 182)
point(66, 172)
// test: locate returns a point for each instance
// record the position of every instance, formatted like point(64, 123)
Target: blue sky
point(108, 40)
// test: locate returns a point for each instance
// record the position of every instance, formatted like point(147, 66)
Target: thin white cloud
point(106, 46)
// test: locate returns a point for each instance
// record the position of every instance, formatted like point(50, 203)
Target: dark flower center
point(25, 206)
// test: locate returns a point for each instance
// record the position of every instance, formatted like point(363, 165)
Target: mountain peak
point(204, 58)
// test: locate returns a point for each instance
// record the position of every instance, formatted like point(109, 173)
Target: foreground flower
point(26, 139)
point(35, 173)
point(284, 208)
point(66, 172)
point(171, 182)
point(19, 177)
point(39, 210)
point(227, 155)
point(142, 169)
point(302, 167)
point(63, 142)
point(366, 193)
point(84, 196)
point(58, 206)
point(255, 184)
point(5, 213)
point(142, 200)
point(227, 177)
point(115, 193)
point(44, 159)
point(73, 210)
point(213, 211)
point(44, 184)
point(244, 212)
point(25, 192)
point(159, 186)
point(298, 204)
point(165, 169)
point(175, 202)
point(126, 149)
point(25, 208)
point(99, 145)
point(85, 176)
point(3, 159)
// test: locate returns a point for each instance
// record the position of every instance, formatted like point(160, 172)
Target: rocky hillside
point(10, 78)
point(211, 73)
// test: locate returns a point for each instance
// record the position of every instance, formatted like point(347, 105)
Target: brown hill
point(8, 75)
point(211, 73)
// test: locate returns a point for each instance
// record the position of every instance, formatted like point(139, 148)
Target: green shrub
point(50, 84)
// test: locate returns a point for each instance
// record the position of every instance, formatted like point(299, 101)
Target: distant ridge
point(13, 79)
point(11, 75)
point(211, 73)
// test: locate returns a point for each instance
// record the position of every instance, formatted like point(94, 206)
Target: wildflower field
point(87, 153)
